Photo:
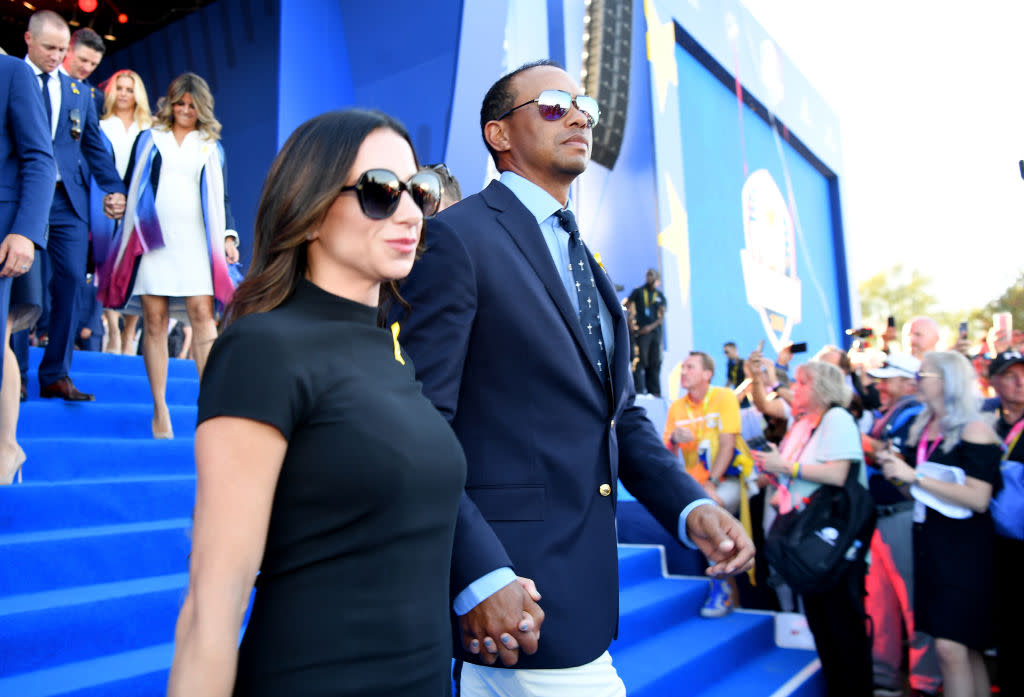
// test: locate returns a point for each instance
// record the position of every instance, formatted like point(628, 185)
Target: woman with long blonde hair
point(125, 115)
point(171, 259)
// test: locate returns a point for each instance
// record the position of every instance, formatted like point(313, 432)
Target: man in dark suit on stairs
point(520, 341)
point(27, 176)
point(76, 135)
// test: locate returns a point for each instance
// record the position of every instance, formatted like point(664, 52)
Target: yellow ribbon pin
point(395, 329)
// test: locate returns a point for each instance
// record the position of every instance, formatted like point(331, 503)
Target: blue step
point(789, 672)
point(54, 417)
point(118, 388)
point(89, 362)
point(695, 653)
point(86, 503)
point(39, 561)
point(638, 563)
point(60, 458)
point(136, 668)
point(88, 622)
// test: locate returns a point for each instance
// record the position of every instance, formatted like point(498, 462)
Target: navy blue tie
point(45, 77)
point(586, 293)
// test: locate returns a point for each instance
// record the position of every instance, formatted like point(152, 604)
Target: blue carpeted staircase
point(95, 544)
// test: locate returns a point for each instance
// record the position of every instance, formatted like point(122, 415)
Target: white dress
point(182, 267)
point(122, 139)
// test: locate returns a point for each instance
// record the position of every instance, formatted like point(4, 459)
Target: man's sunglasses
point(379, 190)
point(554, 104)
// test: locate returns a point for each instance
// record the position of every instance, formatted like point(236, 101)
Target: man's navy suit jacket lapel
point(522, 227)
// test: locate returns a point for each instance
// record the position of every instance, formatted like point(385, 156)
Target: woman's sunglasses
point(379, 191)
point(921, 374)
point(554, 104)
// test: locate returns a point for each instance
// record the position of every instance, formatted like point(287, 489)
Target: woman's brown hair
point(304, 181)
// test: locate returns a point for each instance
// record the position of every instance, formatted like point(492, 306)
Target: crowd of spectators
point(901, 398)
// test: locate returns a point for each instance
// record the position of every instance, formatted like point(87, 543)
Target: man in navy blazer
point(494, 334)
point(76, 135)
point(27, 176)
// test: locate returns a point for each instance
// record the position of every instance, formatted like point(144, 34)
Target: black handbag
point(812, 548)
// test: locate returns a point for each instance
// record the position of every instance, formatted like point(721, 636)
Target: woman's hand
point(231, 250)
point(771, 461)
point(894, 466)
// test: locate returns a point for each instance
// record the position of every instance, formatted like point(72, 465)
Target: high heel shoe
point(161, 435)
point(15, 469)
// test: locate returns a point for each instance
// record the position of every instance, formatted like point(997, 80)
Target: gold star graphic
point(661, 52)
point(675, 237)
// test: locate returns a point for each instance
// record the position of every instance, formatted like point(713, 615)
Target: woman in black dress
point(320, 463)
point(953, 556)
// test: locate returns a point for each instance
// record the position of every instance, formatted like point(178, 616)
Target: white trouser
point(595, 679)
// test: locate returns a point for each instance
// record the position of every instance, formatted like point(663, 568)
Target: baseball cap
point(898, 365)
point(1004, 360)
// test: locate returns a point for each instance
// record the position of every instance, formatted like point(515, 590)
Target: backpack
point(814, 547)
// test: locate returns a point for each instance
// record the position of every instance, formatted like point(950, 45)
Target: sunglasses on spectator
point(922, 374)
point(379, 191)
point(554, 104)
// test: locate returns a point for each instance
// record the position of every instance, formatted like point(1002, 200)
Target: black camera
point(861, 332)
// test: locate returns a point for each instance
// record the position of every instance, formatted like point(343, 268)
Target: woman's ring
point(24, 267)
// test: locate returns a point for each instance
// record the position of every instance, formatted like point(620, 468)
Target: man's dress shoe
point(66, 390)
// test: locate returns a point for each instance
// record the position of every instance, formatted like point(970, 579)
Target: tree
point(894, 292)
point(1012, 301)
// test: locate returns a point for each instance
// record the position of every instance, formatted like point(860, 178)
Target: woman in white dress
point(126, 113)
point(172, 258)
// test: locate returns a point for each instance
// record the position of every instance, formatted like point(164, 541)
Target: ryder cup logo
point(769, 259)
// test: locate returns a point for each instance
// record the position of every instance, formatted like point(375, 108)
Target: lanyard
point(1014, 436)
point(703, 415)
point(923, 451)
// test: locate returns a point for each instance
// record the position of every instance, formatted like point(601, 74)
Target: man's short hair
point(88, 38)
point(40, 19)
point(728, 344)
point(706, 360)
point(498, 99)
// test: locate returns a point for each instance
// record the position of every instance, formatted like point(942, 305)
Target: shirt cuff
point(231, 233)
point(482, 588)
point(683, 537)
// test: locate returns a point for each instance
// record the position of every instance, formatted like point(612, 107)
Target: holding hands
point(113, 205)
point(231, 249)
point(511, 614)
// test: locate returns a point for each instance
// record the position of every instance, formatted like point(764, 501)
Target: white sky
point(930, 98)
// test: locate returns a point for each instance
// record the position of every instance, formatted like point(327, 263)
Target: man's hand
point(16, 254)
point(681, 434)
point(231, 250)
point(511, 614)
point(113, 205)
point(722, 540)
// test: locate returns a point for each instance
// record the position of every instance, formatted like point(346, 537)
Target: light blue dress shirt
point(543, 207)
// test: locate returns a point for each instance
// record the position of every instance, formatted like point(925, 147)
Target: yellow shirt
point(718, 412)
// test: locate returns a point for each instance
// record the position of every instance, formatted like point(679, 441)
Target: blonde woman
point(126, 113)
point(954, 543)
point(172, 258)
